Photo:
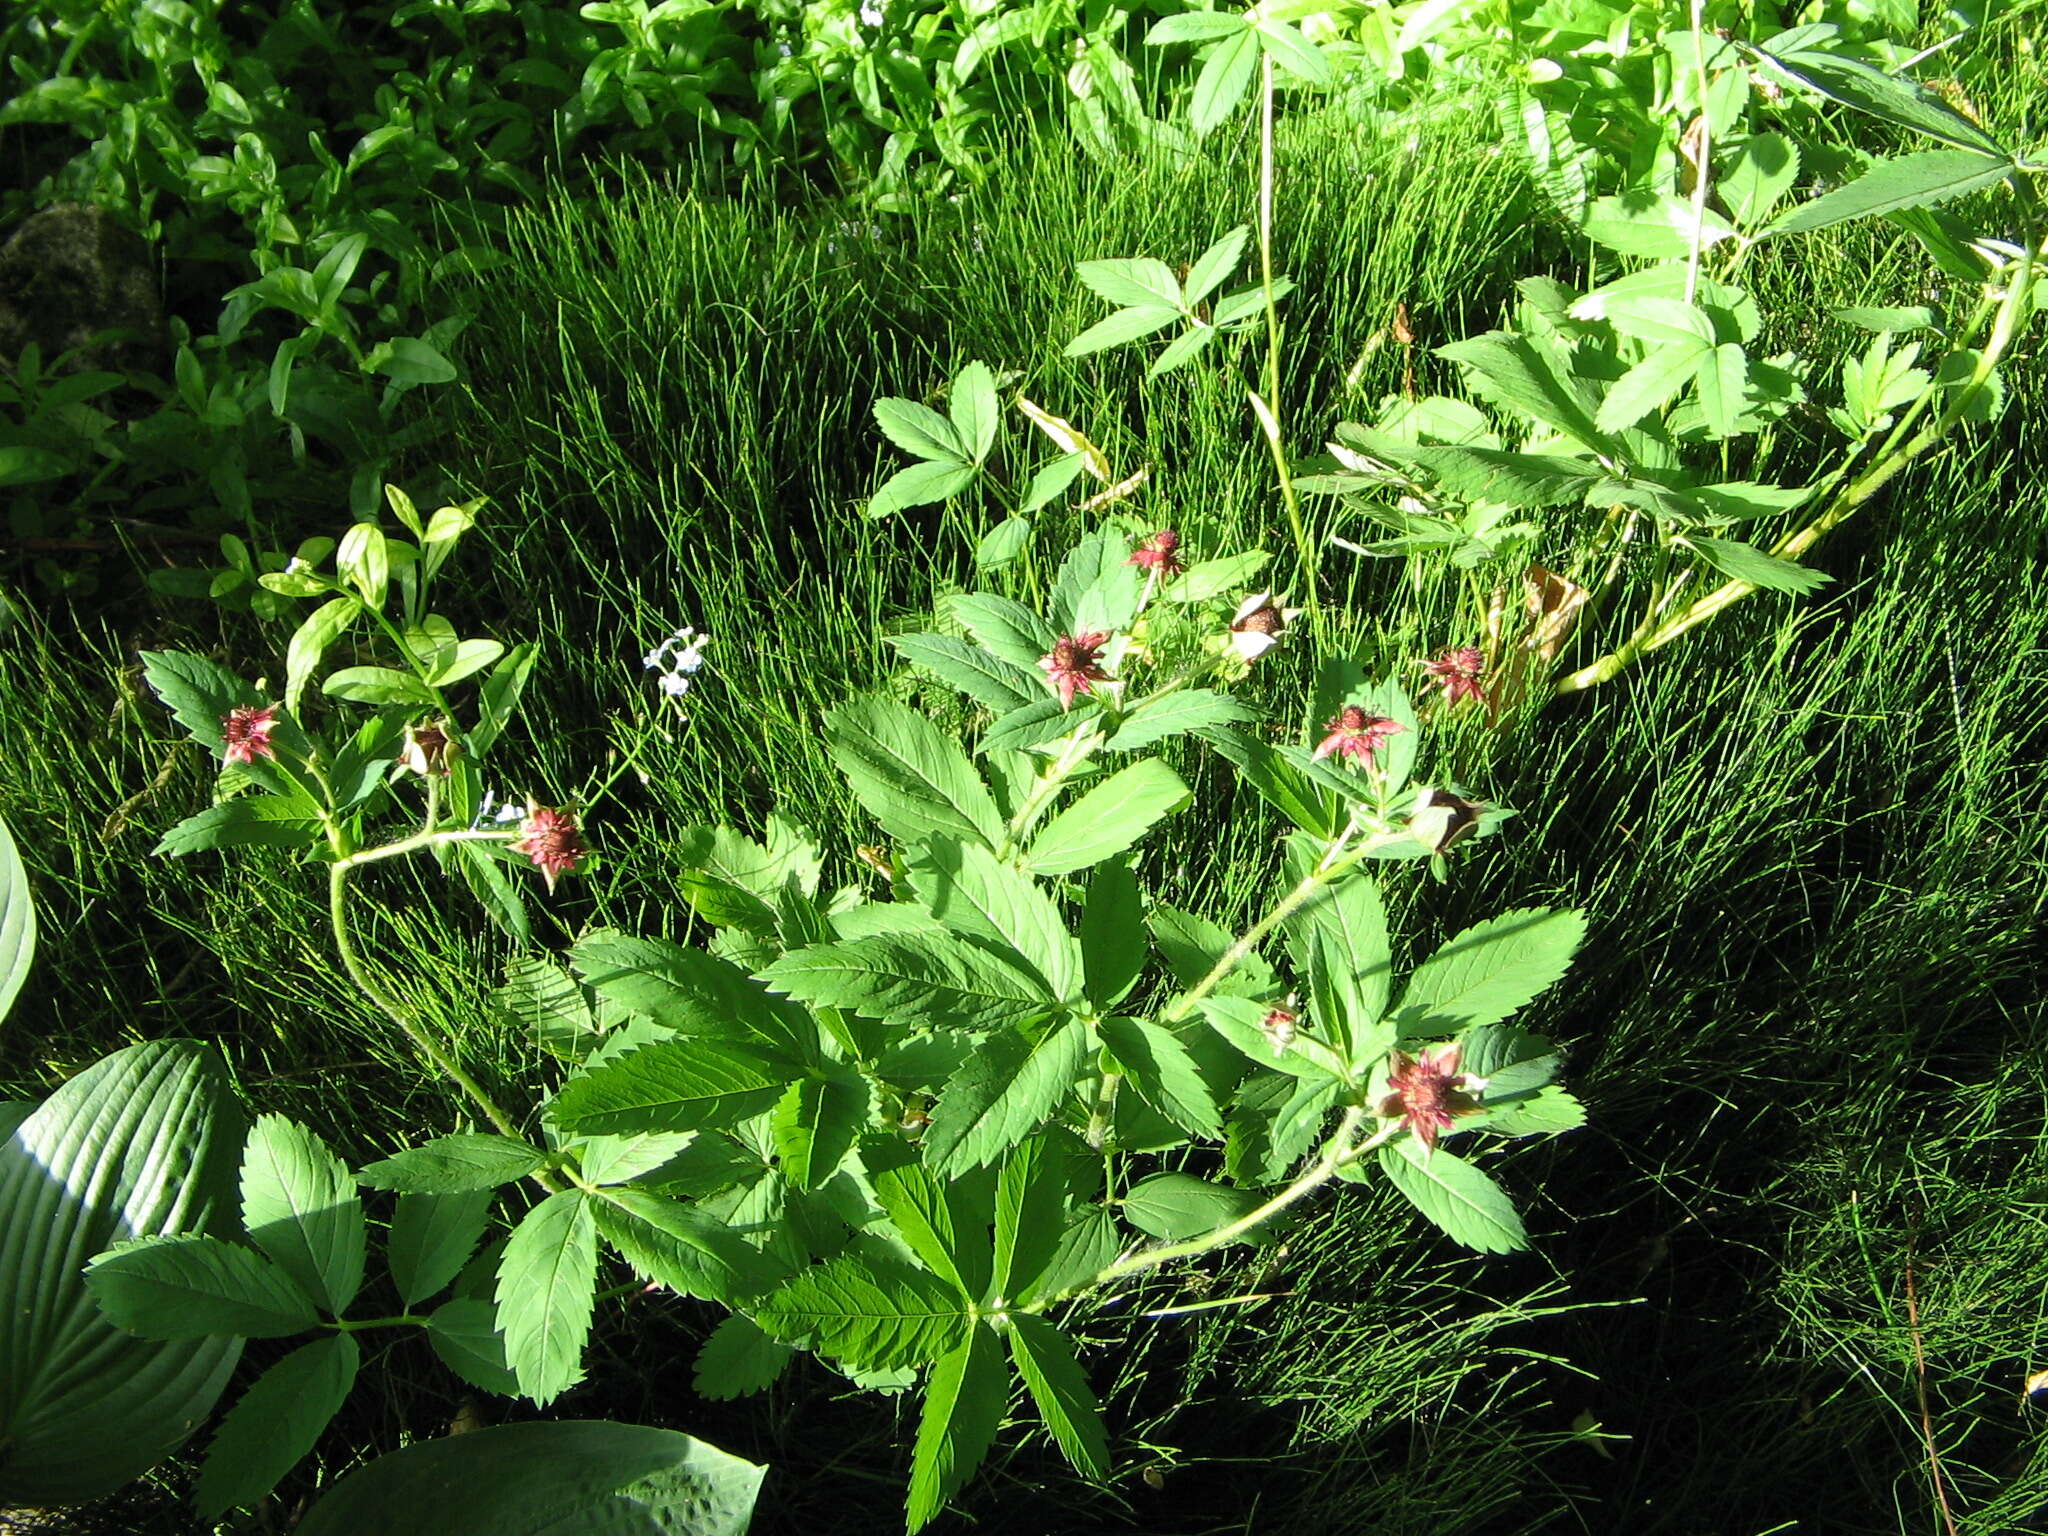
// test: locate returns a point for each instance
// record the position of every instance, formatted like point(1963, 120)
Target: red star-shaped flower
point(1160, 553)
point(1071, 665)
point(1428, 1092)
point(551, 841)
point(1355, 734)
point(247, 732)
point(1459, 672)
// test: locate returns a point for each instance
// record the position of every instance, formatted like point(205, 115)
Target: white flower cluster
point(678, 659)
point(493, 809)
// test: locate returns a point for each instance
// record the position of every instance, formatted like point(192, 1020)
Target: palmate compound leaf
point(966, 887)
point(1457, 1197)
point(868, 1313)
point(1001, 1094)
point(1485, 973)
point(911, 778)
point(816, 1123)
point(299, 1206)
point(275, 1423)
point(142, 1142)
point(671, 1085)
point(450, 1164)
point(913, 979)
point(562, 1478)
point(1060, 1391)
point(547, 1282)
point(964, 1400)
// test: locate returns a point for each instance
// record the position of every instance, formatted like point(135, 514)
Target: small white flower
point(871, 14)
point(498, 810)
point(674, 684)
point(678, 659)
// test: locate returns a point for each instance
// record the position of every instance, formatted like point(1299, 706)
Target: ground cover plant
point(1679, 761)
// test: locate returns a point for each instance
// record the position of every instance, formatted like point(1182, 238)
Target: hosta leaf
point(17, 921)
point(868, 1313)
point(1002, 1093)
point(1060, 1392)
point(275, 1423)
point(964, 1399)
point(1467, 1205)
point(299, 1206)
point(547, 1282)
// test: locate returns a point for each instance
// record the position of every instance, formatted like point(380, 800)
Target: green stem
point(1056, 775)
point(403, 1320)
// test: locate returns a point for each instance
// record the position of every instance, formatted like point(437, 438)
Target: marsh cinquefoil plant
point(911, 1129)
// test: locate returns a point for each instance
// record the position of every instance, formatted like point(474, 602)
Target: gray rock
point(70, 272)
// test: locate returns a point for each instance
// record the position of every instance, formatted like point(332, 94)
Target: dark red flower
point(1354, 733)
point(1428, 1092)
point(1279, 1026)
point(247, 732)
point(551, 841)
point(1071, 665)
point(1459, 672)
point(426, 748)
point(1442, 818)
point(1159, 553)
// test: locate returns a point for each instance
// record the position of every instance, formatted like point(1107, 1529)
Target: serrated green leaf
point(1124, 326)
point(964, 1399)
point(815, 1124)
point(1033, 725)
point(1918, 180)
point(1657, 226)
point(1184, 348)
point(1651, 383)
point(1724, 389)
point(1113, 947)
point(1240, 1021)
point(299, 1206)
point(432, 1237)
point(981, 675)
point(1032, 1197)
point(739, 1359)
point(684, 1248)
point(913, 980)
point(975, 413)
point(464, 1335)
point(1223, 82)
point(1087, 1247)
point(971, 891)
point(1060, 1391)
point(264, 822)
point(1491, 969)
point(686, 991)
point(1158, 1066)
point(309, 642)
point(1506, 369)
point(1192, 946)
point(920, 485)
point(1007, 629)
point(1542, 1113)
point(1762, 174)
point(1460, 1200)
point(1745, 562)
point(1108, 819)
point(547, 1284)
point(921, 431)
point(1213, 578)
point(1213, 267)
point(1273, 1123)
point(914, 781)
point(1000, 1095)
point(671, 1085)
point(868, 1313)
point(1343, 948)
point(189, 1286)
point(1194, 27)
point(450, 1164)
point(916, 1204)
point(1097, 588)
point(1808, 59)
point(1293, 52)
point(1177, 1205)
point(276, 1423)
point(1131, 281)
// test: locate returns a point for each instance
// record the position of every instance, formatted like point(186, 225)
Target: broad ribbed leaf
point(684, 1248)
point(1113, 947)
point(1109, 818)
point(672, 1085)
point(1465, 1203)
point(868, 1313)
point(1904, 181)
point(191, 1285)
point(299, 1206)
point(432, 1237)
point(912, 779)
point(1484, 974)
point(1008, 629)
point(275, 1423)
point(972, 892)
point(547, 1282)
point(1178, 1205)
point(1001, 1095)
point(815, 1125)
point(566, 1478)
point(913, 979)
point(964, 1399)
point(17, 921)
point(1175, 714)
point(983, 676)
point(1162, 1072)
point(1060, 1391)
point(141, 1143)
point(449, 1164)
